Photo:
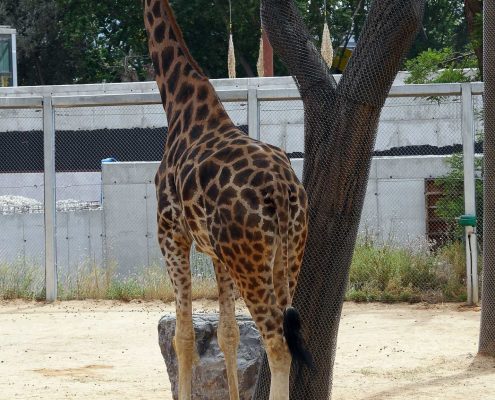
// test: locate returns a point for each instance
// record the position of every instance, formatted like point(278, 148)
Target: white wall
point(124, 230)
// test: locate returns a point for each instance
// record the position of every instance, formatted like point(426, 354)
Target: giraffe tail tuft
point(295, 341)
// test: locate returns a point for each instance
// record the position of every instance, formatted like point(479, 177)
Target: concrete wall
point(79, 239)
point(123, 231)
point(394, 207)
point(83, 186)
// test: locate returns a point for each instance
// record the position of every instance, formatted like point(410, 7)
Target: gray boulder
point(209, 374)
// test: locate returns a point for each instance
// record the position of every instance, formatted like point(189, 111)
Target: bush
point(391, 273)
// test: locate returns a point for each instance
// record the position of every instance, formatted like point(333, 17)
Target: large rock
point(209, 374)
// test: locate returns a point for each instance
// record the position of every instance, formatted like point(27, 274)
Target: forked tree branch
point(340, 129)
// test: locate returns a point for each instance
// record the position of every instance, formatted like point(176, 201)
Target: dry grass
point(91, 281)
point(382, 272)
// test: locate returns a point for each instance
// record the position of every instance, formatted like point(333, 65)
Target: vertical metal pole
point(50, 200)
point(14, 60)
point(253, 113)
point(469, 190)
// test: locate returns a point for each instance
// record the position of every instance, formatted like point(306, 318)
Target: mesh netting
point(340, 128)
point(487, 333)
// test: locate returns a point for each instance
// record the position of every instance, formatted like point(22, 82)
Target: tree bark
point(340, 129)
point(472, 9)
point(487, 331)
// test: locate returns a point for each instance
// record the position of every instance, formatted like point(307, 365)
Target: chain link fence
point(410, 245)
point(106, 160)
point(22, 248)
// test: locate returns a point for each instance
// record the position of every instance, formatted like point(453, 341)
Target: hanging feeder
point(260, 65)
point(326, 42)
point(231, 54)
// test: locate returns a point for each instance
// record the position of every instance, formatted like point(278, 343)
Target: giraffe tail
point(295, 341)
point(292, 320)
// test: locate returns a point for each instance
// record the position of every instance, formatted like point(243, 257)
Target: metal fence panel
point(22, 249)
point(106, 224)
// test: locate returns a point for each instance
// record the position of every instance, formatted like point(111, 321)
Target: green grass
point(390, 273)
point(379, 272)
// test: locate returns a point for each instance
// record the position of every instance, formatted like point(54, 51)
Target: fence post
point(50, 200)
point(469, 192)
point(253, 112)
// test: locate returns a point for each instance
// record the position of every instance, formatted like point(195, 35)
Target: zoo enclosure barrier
point(89, 208)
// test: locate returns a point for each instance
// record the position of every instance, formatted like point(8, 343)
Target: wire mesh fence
point(106, 159)
point(415, 196)
point(410, 245)
point(21, 203)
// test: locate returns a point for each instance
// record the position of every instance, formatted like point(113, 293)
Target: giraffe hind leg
point(228, 329)
point(268, 316)
point(177, 261)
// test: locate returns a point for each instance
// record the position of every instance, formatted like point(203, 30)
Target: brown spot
point(156, 62)
point(202, 112)
point(189, 188)
point(202, 93)
point(185, 93)
point(196, 132)
point(167, 58)
point(156, 9)
point(173, 79)
point(239, 212)
point(212, 192)
point(171, 34)
point(150, 18)
point(207, 173)
point(225, 176)
point(257, 179)
point(238, 165)
point(235, 232)
point(226, 196)
point(213, 122)
point(159, 33)
point(187, 68)
point(253, 220)
point(261, 163)
point(241, 178)
point(249, 195)
point(187, 117)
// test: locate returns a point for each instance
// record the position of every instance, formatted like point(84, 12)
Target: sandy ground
point(108, 350)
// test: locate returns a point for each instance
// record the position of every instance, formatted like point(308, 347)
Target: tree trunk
point(487, 331)
point(473, 9)
point(340, 128)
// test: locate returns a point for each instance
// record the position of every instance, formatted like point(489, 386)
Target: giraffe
point(238, 200)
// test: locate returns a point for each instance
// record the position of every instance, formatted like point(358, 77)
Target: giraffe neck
point(187, 95)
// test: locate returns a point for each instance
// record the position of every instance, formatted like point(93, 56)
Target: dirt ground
point(108, 350)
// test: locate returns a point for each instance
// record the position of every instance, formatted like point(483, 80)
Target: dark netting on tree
point(487, 332)
point(340, 128)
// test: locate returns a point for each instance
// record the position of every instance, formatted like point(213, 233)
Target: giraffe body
point(236, 198)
